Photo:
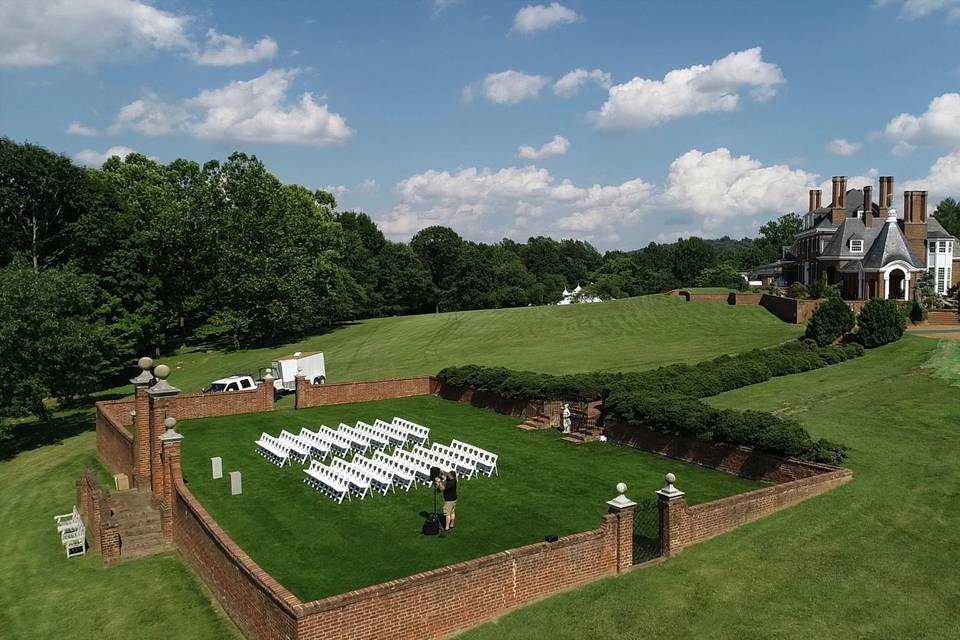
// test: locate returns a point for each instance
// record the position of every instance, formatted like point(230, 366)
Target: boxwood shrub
point(881, 322)
point(831, 320)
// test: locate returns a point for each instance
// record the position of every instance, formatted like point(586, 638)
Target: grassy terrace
point(316, 548)
point(876, 558)
point(629, 334)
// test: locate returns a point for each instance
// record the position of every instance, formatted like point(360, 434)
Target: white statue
point(566, 417)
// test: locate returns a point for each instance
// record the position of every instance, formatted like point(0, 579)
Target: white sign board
point(217, 465)
point(235, 488)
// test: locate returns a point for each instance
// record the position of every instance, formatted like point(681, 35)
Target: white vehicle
point(231, 383)
point(285, 371)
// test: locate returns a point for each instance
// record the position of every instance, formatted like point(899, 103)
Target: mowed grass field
point(876, 558)
point(622, 335)
point(38, 483)
point(316, 547)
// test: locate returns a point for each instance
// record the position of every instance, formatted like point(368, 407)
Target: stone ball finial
point(145, 362)
point(621, 487)
point(670, 478)
point(170, 422)
point(161, 371)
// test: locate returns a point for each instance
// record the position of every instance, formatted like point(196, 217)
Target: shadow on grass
point(26, 436)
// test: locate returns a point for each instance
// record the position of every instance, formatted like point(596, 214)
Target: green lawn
point(316, 548)
point(622, 335)
point(45, 595)
point(877, 558)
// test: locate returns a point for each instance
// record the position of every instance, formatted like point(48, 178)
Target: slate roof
point(890, 245)
point(936, 230)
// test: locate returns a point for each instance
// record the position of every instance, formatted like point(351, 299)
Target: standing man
point(448, 484)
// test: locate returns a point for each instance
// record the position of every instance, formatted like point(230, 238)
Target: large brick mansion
point(867, 248)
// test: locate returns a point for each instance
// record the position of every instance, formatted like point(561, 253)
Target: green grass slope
point(622, 335)
point(876, 558)
point(45, 595)
point(309, 543)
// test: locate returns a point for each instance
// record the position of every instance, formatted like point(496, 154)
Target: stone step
point(136, 554)
point(142, 541)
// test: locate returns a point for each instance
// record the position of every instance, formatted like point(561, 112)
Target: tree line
point(100, 265)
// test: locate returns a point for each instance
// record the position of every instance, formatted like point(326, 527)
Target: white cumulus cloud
point(942, 180)
point(939, 123)
point(224, 51)
point(913, 9)
point(642, 103)
point(37, 33)
point(571, 83)
point(93, 158)
point(558, 146)
point(77, 129)
point(540, 17)
point(256, 110)
point(506, 87)
point(842, 147)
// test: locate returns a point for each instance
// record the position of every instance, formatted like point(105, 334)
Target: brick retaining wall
point(683, 525)
point(416, 607)
point(225, 403)
point(321, 395)
point(507, 406)
point(744, 298)
point(93, 503)
point(114, 440)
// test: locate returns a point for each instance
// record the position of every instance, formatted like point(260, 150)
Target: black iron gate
point(646, 531)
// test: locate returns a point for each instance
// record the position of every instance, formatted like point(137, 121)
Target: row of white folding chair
point(395, 436)
point(360, 480)
point(432, 458)
point(339, 444)
point(272, 449)
point(416, 434)
point(420, 466)
point(299, 448)
point(404, 474)
point(327, 481)
point(358, 441)
point(464, 464)
point(378, 439)
point(319, 448)
point(380, 476)
point(485, 460)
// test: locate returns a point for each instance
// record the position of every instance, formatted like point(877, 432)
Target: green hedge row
point(686, 416)
point(666, 399)
point(701, 380)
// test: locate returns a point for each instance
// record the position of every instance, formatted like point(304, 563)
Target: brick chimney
point(838, 207)
point(868, 206)
point(886, 195)
point(915, 223)
point(815, 195)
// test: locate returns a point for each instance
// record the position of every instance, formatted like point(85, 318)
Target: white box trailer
point(285, 370)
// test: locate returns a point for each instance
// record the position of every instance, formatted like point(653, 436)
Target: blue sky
point(416, 112)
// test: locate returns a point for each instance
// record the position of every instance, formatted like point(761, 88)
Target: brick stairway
point(138, 523)
point(539, 421)
point(593, 430)
point(943, 316)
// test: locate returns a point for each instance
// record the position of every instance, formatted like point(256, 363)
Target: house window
point(943, 247)
point(856, 246)
point(941, 280)
point(933, 247)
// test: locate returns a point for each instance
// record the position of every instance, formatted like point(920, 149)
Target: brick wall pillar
point(159, 395)
point(623, 507)
point(266, 393)
point(673, 509)
point(301, 391)
point(141, 439)
point(170, 446)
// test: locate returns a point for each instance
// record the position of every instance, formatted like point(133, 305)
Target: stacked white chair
point(73, 535)
point(416, 434)
point(404, 475)
point(319, 448)
point(339, 445)
point(358, 441)
point(485, 461)
point(395, 436)
point(299, 448)
point(327, 481)
point(378, 440)
point(272, 449)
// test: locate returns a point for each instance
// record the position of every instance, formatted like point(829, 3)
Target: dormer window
point(856, 246)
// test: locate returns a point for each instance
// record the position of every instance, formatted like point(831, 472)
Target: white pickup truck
point(231, 383)
point(285, 370)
